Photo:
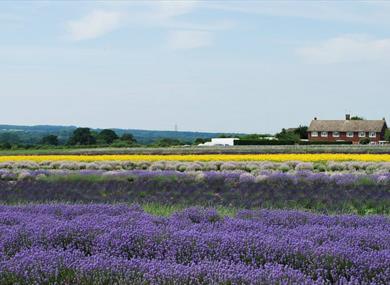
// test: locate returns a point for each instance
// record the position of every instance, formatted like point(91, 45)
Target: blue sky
point(245, 66)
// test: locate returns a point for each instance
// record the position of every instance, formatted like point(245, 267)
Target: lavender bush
point(102, 244)
point(250, 149)
point(251, 167)
point(357, 193)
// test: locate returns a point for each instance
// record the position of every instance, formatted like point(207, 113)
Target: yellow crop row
point(202, 157)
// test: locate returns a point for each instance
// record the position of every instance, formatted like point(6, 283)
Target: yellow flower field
point(203, 157)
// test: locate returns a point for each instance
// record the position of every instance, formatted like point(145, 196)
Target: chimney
point(347, 117)
point(315, 118)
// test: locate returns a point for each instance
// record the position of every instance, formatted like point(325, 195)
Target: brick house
point(347, 130)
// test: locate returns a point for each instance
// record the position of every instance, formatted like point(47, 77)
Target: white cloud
point(94, 25)
point(346, 49)
point(170, 9)
point(189, 39)
point(181, 33)
point(171, 15)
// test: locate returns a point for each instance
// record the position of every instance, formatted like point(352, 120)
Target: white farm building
point(220, 142)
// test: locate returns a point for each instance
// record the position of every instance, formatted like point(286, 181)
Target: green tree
point(199, 141)
point(357, 118)
point(128, 138)
point(5, 146)
point(387, 135)
point(82, 136)
point(9, 137)
point(50, 140)
point(107, 136)
point(284, 135)
point(165, 142)
point(301, 131)
point(254, 136)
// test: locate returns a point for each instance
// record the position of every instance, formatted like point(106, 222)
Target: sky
point(221, 66)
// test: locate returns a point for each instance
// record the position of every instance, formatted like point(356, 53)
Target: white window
point(350, 134)
point(336, 134)
point(372, 134)
point(362, 134)
point(324, 134)
point(314, 134)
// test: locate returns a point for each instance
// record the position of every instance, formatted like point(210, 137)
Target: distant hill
point(33, 134)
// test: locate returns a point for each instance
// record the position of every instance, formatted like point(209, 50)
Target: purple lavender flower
point(94, 244)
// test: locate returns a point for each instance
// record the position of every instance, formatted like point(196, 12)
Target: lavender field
point(335, 192)
point(119, 244)
point(76, 223)
point(357, 167)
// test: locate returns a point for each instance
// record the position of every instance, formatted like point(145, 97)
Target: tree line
point(79, 137)
point(87, 137)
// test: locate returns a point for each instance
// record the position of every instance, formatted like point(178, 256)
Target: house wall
point(223, 141)
point(343, 137)
point(382, 134)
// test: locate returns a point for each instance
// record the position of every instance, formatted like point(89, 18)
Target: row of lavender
point(253, 167)
point(233, 175)
point(357, 193)
point(101, 244)
point(241, 175)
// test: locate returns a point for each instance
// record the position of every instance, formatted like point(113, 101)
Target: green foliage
point(364, 141)
point(107, 136)
point(33, 134)
point(294, 134)
point(128, 138)
point(264, 142)
point(254, 136)
point(200, 141)
point(6, 146)
point(166, 142)
point(165, 210)
point(223, 136)
point(301, 131)
point(387, 135)
point(82, 136)
point(9, 137)
point(365, 181)
point(357, 118)
point(50, 140)
point(285, 135)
